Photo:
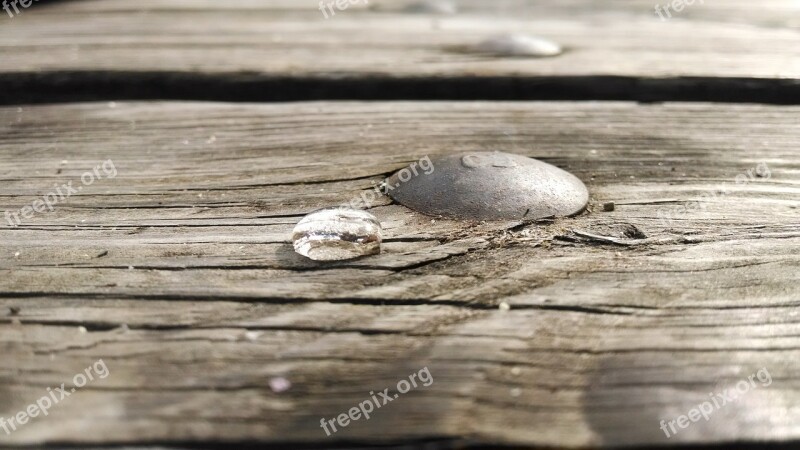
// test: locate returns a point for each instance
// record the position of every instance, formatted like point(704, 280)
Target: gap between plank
point(85, 86)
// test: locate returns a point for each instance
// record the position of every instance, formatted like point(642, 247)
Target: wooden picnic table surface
point(175, 266)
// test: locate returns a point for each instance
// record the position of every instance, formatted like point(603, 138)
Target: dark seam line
point(86, 86)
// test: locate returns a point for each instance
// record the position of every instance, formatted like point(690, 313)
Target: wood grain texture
point(180, 272)
point(291, 38)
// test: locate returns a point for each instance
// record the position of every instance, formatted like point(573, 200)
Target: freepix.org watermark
point(341, 5)
point(676, 5)
point(54, 397)
point(758, 173)
point(365, 408)
point(368, 197)
point(61, 193)
point(718, 400)
point(12, 4)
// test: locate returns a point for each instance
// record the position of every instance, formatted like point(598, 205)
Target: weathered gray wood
point(181, 273)
point(290, 38)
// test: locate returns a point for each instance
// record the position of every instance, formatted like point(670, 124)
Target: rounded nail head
point(492, 186)
point(519, 45)
point(335, 234)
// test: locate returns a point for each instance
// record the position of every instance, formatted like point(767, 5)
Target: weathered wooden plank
point(180, 272)
point(281, 38)
point(522, 376)
point(182, 225)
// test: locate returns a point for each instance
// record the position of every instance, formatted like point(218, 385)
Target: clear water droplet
point(336, 233)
